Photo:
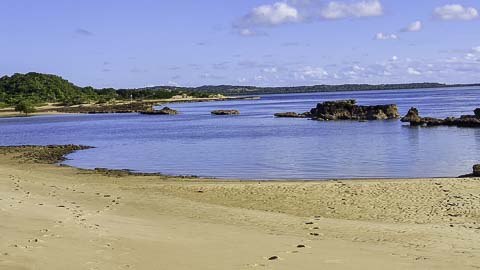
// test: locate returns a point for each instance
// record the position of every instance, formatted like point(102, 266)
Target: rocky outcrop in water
point(412, 116)
point(225, 112)
point(414, 119)
point(475, 173)
point(349, 110)
point(164, 111)
point(476, 170)
point(293, 115)
point(346, 110)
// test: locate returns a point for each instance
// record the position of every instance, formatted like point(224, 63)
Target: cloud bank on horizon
point(255, 42)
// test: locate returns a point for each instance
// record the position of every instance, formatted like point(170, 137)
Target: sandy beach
point(53, 109)
point(55, 217)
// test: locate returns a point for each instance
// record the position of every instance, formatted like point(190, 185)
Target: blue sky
point(117, 43)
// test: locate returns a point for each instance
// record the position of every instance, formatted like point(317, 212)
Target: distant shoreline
point(51, 109)
point(256, 90)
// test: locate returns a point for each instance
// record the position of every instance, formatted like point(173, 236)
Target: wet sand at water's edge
point(55, 217)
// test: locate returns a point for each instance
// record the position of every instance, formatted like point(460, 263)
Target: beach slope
point(55, 217)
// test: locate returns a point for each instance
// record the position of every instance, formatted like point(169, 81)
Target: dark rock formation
point(225, 112)
point(414, 119)
point(292, 115)
point(412, 116)
point(346, 110)
point(476, 170)
point(164, 111)
point(349, 110)
point(477, 112)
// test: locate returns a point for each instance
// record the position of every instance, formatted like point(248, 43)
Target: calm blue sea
point(255, 145)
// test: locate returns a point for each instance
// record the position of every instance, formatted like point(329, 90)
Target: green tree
point(25, 106)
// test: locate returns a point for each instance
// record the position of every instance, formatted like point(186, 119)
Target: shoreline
point(62, 110)
point(101, 220)
point(65, 150)
point(227, 179)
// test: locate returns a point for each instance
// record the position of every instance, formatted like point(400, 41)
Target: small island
point(225, 112)
point(164, 111)
point(292, 115)
point(413, 117)
point(346, 110)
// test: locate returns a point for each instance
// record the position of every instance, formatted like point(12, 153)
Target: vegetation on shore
point(25, 106)
point(35, 89)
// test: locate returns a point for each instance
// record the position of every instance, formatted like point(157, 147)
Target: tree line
point(36, 89)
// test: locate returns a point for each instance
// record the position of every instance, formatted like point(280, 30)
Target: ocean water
point(255, 145)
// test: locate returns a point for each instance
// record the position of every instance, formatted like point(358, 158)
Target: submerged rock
point(164, 111)
point(225, 112)
point(349, 110)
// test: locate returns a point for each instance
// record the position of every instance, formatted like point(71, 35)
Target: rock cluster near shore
point(346, 110)
point(413, 117)
point(49, 154)
point(225, 112)
point(100, 109)
point(164, 111)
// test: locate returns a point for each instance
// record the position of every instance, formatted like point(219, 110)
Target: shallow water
point(255, 145)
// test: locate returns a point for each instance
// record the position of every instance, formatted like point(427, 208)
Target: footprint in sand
point(298, 247)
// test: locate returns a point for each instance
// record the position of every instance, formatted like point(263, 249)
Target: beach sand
point(54, 217)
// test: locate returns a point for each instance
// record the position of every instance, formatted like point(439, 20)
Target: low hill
point(40, 88)
point(45, 88)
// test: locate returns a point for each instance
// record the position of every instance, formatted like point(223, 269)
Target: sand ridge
point(64, 218)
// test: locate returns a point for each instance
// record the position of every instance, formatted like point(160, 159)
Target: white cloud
point(172, 83)
point(298, 11)
point(394, 58)
point(259, 78)
point(413, 27)
point(246, 32)
point(471, 56)
point(386, 73)
point(455, 12)
point(358, 68)
point(270, 70)
point(476, 49)
point(339, 10)
point(271, 15)
point(383, 36)
point(413, 71)
point(313, 73)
